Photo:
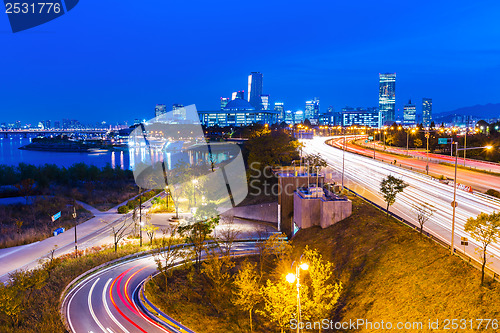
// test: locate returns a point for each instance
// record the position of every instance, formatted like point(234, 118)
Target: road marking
point(105, 302)
point(92, 310)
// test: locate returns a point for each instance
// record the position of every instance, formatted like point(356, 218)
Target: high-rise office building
point(279, 107)
point(160, 109)
point(254, 89)
point(289, 117)
point(360, 117)
point(387, 98)
point(298, 116)
point(223, 102)
point(238, 94)
point(409, 114)
point(427, 111)
point(312, 111)
point(179, 112)
point(264, 102)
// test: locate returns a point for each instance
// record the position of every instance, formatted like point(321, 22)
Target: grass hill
point(391, 273)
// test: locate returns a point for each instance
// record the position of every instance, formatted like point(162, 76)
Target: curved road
point(105, 302)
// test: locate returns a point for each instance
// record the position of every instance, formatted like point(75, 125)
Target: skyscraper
point(160, 109)
point(387, 98)
point(223, 102)
point(179, 112)
point(312, 111)
point(264, 102)
point(409, 114)
point(254, 89)
point(279, 107)
point(427, 111)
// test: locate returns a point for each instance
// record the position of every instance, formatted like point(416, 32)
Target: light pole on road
point(291, 278)
point(454, 203)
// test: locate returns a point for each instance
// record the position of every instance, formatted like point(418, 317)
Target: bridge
point(42, 132)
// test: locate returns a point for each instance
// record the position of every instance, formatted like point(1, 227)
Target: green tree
point(149, 228)
point(246, 293)
point(315, 162)
point(271, 148)
point(197, 233)
point(324, 292)
point(485, 228)
point(390, 187)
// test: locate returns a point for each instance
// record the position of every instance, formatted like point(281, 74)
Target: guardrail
point(462, 254)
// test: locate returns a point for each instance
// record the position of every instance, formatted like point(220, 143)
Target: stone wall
point(267, 212)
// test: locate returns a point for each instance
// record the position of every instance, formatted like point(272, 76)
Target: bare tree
point(424, 212)
point(227, 233)
point(167, 253)
point(119, 231)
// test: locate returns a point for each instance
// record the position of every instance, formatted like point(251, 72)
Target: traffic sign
point(464, 241)
point(366, 141)
point(370, 138)
point(444, 141)
point(56, 216)
point(454, 203)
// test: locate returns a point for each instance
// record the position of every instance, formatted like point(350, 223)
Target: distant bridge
point(32, 132)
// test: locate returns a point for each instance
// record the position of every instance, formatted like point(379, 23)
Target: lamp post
point(74, 217)
point(454, 202)
point(427, 135)
point(408, 141)
point(194, 181)
point(291, 278)
point(140, 218)
point(343, 161)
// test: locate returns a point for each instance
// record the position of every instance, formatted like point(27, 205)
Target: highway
point(363, 175)
point(106, 301)
point(477, 180)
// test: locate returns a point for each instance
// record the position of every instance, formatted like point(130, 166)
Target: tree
point(485, 228)
point(280, 302)
point(149, 228)
point(324, 292)
point(417, 142)
point(246, 292)
point(271, 148)
point(424, 212)
point(216, 269)
point(390, 187)
point(274, 251)
point(197, 233)
point(119, 231)
point(315, 161)
point(27, 189)
point(167, 253)
point(227, 233)
point(19, 225)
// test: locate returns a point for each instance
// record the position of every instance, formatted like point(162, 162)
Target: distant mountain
point(487, 111)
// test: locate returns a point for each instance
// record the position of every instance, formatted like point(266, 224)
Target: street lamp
point(408, 141)
point(454, 202)
point(343, 160)
point(140, 233)
point(291, 278)
point(195, 181)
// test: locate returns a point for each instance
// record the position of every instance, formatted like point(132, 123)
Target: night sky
point(114, 60)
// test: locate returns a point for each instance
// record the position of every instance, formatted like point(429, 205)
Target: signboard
point(370, 138)
point(56, 217)
point(462, 187)
point(444, 141)
point(464, 241)
point(366, 141)
point(454, 204)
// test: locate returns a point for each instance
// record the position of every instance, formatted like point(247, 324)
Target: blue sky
point(114, 60)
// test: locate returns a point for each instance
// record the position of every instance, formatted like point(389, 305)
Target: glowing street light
point(291, 278)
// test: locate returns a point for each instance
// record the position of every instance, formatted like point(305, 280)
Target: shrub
point(123, 209)
point(493, 193)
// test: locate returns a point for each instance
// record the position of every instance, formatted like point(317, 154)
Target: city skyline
point(117, 82)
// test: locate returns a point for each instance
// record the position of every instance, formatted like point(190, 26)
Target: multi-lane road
point(476, 180)
point(107, 300)
point(363, 175)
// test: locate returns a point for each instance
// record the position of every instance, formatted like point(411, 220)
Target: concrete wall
point(334, 211)
point(262, 212)
point(306, 212)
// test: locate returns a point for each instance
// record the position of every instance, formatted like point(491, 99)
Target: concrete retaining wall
point(267, 212)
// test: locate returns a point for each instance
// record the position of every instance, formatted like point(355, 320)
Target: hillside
point(391, 273)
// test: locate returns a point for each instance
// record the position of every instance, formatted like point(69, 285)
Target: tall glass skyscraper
point(279, 107)
point(427, 111)
point(254, 89)
point(160, 109)
point(264, 102)
point(409, 114)
point(387, 98)
point(312, 111)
